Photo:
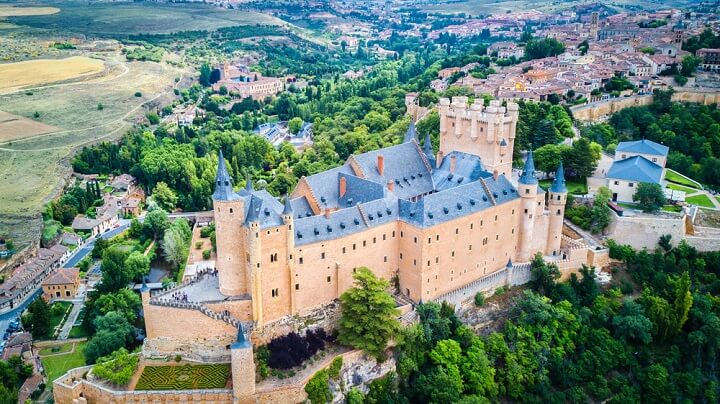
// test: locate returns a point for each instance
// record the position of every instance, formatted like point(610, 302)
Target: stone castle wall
point(645, 231)
point(598, 110)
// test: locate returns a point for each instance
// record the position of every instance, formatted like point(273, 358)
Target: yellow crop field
point(11, 11)
point(14, 76)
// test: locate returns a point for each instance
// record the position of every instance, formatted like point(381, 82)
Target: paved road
point(7, 318)
point(82, 252)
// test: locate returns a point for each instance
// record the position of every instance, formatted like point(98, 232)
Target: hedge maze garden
point(184, 377)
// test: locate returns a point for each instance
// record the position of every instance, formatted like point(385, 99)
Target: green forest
point(651, 337)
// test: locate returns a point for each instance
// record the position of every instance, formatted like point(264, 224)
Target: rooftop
point(644, 147)
point(636, 168)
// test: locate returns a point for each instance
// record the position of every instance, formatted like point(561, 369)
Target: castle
point(435, 223)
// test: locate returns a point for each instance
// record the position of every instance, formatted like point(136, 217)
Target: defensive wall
point(595, 111)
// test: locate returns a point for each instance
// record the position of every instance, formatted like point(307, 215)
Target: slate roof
point(558, 185)
point(643, 147)
point(528, 173)
point(223, 182)
point(325, 185)
point(636, 168)
point(468, 168)
point(300, 207)
point(404, 165)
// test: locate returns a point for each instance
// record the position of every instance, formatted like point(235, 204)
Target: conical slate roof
point(411, 133)
point(223, 182)
point(287, 210)
point(528, 174)
point(558, 184)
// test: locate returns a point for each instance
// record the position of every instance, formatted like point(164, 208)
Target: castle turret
point(527, 187)
point(288, 219)
point(229, 213)
point(243, 368)
point(556, 204)
point(488, 133)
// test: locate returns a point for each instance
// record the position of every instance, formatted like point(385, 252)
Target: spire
point(287, 210)
point(528, 174)
point(428, 150)
point(242, 341)
point(248, 183)
point(411, 133)
point(558, 184)
point(223, 182)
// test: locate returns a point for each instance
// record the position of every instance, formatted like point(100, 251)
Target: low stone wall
point(74, 388)
point(325, 316)
point(645, 231)
point(597, 110)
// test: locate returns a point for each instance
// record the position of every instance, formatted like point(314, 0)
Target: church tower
point(594, 25)
point(229, 213)
point(557, 197)
point(485, 132)
point(527, 187)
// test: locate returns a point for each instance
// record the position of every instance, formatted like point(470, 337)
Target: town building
point(710, 59)
point(635, 162)
point(241, 82)
point(62, 284)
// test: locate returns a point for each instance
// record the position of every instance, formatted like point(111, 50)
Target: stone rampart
point(595, 111)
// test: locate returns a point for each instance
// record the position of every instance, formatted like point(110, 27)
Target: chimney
point(343, 186)
point(439, 158)
point(381, 164)
point(452, 164)
point(327, 213)
point(391, 185)
point(495, 175)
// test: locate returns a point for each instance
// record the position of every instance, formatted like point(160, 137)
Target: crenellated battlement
point(488, 132)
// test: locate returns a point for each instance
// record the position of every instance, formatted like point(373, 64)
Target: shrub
point(100, 107)
point(317, 388)
point(198, 245)
point(117, 367)
point(206, 231)
point(206, 254)
point(178, 358)
point(335, 367)
point(479, 299)
point(292, 350)
point(138, 94)
point(501, 291)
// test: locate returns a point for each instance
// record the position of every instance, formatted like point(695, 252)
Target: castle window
point(415, 240)
point(457, 230)
point(231, 211)
point(275, 292)
point(558, 211)
point(400, 255)
point(385, 259)
point(617, 182)
point(328, 279)
point(402, 234)
point(393, 233)
point(428, 262)
point(343, 250)
point(415, 262)
point(471, 225)
point(631, 184)
point(512, 231)
point(496, 218)
point(322, 255)
point(558, 197)
point(297, 286)
point(513, 212)
point(364, 243)
point(301, 260)
point(526, 210)
point(485, 241)
point(429, 240)
point(374, 240)
point(437, 260)
point(527, 190)
point(470, 247)
point(383, 237)
point(497, 237)
point(353, 246)
point(273, 257)
point(452, 254)
point(437, 237)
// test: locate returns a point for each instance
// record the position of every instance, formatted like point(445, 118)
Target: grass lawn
point(672, 208)
point(61, 348)
point(56, 366)
point(56, 319)
point(77, 332)
point(700, 200)
point(577, 188)
point(626, 205)
point(683, 188)
point(184, 377)
point(673, 176)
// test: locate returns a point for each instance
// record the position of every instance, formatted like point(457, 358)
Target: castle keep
point(437, 224)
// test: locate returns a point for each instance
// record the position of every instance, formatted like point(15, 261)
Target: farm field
point(14, 76)
point(13, 11)
point(123, 19)
point(32, 167)
point(14, 127)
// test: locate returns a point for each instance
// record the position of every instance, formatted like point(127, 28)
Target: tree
point(538, 49)
point(543, 275)
point(165, 197)
point(137, 265)
point(294, 125)
point(649, 196)
point(546, 133)
point(317, 388)
point(113, 333)
point(689, 65)
point(477, 372)
point(155, 224)
point(582, 159)
point(205, 73)
point(548, 157)
point(176, 242)
point(114, 274)
point(40, 318)
point(632, 325)
point(369, 316)
point(124, 301)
